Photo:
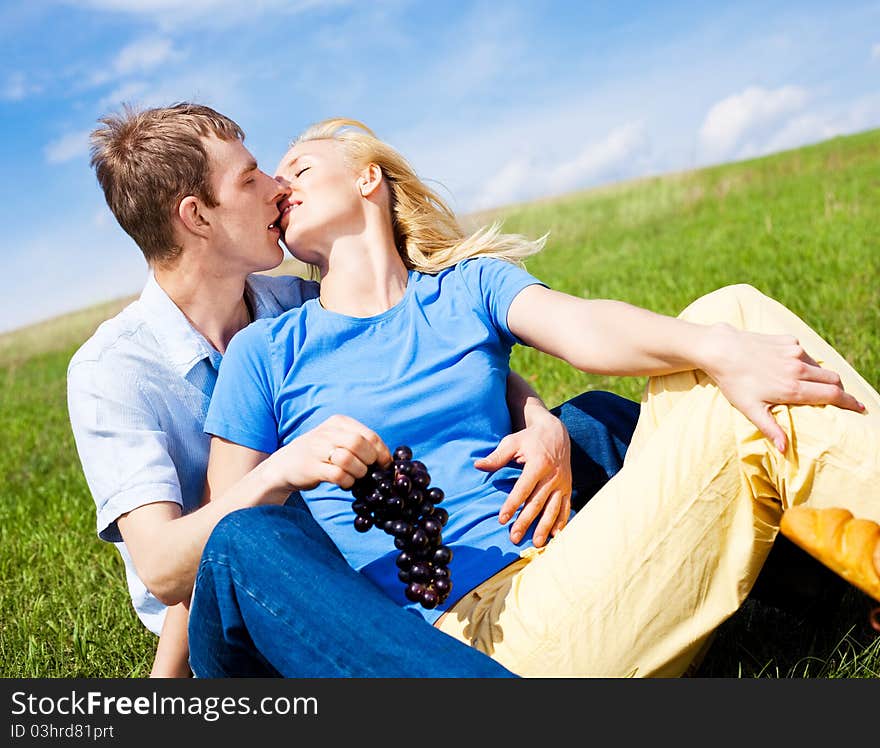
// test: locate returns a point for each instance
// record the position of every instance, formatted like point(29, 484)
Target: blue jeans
point(275, 597)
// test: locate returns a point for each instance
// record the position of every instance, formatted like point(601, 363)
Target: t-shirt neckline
point(387, 314)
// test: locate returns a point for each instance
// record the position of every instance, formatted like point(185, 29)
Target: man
point(181, 183)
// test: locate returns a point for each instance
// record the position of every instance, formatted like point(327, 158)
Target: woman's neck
point(364, 275)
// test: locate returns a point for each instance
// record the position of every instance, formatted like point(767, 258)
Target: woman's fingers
point(767, 425)
point(821, 393)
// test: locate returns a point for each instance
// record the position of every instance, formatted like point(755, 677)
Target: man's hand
point(544, 487)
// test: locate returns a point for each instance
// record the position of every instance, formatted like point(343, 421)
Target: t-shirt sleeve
point(494, 284)
point(122, 447)
point(242, 408)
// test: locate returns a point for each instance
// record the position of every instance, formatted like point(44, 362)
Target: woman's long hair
point(427, 233)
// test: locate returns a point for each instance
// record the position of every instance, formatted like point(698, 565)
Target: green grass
point(800, 226)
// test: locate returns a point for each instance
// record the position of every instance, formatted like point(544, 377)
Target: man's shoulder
point(287, 291)
point(123, 336)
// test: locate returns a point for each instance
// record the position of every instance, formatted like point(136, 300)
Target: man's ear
point(192, 216)
point(370, 180)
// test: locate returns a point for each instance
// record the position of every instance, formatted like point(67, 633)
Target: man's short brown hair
point(148, 161)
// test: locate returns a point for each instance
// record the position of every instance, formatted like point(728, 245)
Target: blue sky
point(499, 102)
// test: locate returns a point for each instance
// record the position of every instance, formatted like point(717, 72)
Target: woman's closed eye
point(306, 168)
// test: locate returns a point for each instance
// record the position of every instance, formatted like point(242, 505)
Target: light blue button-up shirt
point(138, 393)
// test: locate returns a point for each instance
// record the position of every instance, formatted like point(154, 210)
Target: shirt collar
point(182, 345)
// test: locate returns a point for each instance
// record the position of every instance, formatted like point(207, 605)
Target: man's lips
point(283, 218)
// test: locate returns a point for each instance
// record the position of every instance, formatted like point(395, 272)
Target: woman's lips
point(284, 218)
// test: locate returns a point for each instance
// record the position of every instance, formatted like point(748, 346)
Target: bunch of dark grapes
point(400, 500)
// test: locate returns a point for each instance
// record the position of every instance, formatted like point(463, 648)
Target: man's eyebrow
point(249, 167)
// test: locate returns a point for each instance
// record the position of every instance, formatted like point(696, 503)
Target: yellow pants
point(671, 546)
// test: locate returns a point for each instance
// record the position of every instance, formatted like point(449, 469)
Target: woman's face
point(324, 202)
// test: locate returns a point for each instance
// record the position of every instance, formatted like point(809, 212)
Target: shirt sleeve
point(494, 284)
point(242, 408)
point(122, 447)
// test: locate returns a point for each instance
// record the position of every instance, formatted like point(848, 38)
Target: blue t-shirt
point(430, 373)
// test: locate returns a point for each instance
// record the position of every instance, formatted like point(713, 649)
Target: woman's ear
point(191, 216)
point(370, 180)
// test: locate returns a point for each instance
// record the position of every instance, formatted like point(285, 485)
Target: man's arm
point(172, 652)
point(126, 459)
point(166, 545)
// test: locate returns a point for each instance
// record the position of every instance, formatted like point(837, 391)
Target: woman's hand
point(338, 451)
point(544, 487)
point(757, 371)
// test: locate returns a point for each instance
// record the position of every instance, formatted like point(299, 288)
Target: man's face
point(243, 227)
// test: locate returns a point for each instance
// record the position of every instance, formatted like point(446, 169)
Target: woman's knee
point(725, 304)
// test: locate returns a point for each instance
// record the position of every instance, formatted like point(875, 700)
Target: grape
point(419, 539)
point(362, 524)
point(403, 453)
point(402, 485)
point(442, 556)
point(401, 501)
point(420, 571)
point(431, 527)
point(436, 495)
point(419, 478)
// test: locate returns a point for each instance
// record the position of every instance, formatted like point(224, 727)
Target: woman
point(414, 318)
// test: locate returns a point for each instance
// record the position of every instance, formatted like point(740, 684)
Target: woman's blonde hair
point(427, 233)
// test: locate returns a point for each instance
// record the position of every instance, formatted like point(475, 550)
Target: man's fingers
point(498, 457)
point(521, 490)
point(549, 517)
point(533, 507)
point(562, 518)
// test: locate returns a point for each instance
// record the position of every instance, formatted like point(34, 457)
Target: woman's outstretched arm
point(753, 370)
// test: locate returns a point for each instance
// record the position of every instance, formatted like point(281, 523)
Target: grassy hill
point(800, 226)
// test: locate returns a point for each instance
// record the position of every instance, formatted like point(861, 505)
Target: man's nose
point(283, 187)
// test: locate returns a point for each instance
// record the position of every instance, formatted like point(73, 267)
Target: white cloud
point(811, 127)
point(68, 147)
point(143, 55)
point(619, 154)
point(875, 52)
point(601, 159)
point(17, 87)
point(171, 15)
point(732, 122)
point(139, 57)
point(507, 185)
point(124, 93)
point(800, 130)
